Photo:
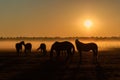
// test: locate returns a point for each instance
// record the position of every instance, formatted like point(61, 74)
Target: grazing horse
point(19, 47)
point(28, 47)
point(62, 46)
point(87, 47)
point(42, 48)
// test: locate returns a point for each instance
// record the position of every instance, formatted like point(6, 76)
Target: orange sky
point(59, 18)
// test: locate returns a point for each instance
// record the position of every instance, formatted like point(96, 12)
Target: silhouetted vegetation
point(60, 38)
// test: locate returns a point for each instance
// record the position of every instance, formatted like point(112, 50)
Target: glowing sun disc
point(88, 23)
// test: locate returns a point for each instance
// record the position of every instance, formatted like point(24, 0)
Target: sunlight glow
point(88, 23)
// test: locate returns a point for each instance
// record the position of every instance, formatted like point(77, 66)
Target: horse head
point(22, 42)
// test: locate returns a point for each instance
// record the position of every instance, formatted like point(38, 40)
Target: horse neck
point(79, 43)
point(22, 43)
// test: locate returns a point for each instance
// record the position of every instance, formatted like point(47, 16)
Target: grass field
point(37, 67)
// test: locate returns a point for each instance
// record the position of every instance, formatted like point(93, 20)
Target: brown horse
point(42, 48)
point(87, 47)
point(28, 48)
point(64, 46)
point(19, 47)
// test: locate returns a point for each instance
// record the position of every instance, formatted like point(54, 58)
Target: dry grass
point(37, 67)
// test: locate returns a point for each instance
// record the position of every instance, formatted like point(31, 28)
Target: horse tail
point(97, 51)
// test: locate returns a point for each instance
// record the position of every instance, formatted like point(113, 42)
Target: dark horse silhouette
point(62, 46)
point(19, 47)
point(87, 47)
point(42, 48)
point(28, 48)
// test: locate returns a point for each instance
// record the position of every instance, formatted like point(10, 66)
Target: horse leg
point(80, 52)
point(29, 50)
point(26, 51)
point(18, 51)
point(95, 57)
point(68, 52)
point(58, 53)
point(51, 53)
point(44, 52)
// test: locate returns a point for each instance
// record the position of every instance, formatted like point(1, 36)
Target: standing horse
point(62, 46)
point(28, 47)
point(87, 47)
point(42, 48)
point(19, 47)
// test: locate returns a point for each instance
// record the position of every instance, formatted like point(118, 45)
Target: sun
point(88, 23)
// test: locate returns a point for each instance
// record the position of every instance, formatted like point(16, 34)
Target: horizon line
point(61, 37)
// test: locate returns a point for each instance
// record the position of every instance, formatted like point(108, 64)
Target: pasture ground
point(34, 66)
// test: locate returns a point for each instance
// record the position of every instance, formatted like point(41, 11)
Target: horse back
point(66, 45)
point(62, 45)
point(93, 45)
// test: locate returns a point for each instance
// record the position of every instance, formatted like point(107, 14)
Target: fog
point(102, 44)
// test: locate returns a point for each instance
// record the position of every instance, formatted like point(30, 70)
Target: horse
point(28, 47)
point(42, 48)
point(87, 47)
point(64, 46)
point(19, 47)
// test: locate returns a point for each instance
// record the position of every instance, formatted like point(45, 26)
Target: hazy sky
point(59, 18)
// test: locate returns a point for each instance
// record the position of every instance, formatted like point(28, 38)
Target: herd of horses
point(58, 48)
point(28, 48)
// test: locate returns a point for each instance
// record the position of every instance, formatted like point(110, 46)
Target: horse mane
point(77, 42)
point(22, 42)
